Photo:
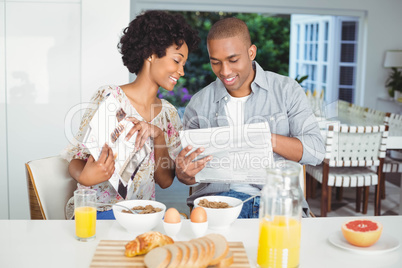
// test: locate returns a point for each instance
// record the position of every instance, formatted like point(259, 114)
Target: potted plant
point(394, 84)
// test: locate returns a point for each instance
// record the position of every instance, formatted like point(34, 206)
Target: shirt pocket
point(278, 123)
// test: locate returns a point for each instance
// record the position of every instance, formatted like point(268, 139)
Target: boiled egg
point(198, 215)
point(172, 216)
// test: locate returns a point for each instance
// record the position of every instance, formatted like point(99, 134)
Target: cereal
point(212, 204)
point(148, 209)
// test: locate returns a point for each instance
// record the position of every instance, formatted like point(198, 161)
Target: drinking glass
point(85, 214)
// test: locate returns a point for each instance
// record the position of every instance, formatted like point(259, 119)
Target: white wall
point(55, 52)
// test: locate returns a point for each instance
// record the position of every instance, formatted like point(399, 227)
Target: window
point(326, 51)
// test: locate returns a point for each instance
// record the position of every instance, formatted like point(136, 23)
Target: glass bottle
point(280, 217)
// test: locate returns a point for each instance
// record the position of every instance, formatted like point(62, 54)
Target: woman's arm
point(93, 172)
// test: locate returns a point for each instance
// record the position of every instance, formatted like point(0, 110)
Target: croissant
point(143, 243)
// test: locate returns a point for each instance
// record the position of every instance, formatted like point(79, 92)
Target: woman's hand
point(95, 172)
point(145, 130)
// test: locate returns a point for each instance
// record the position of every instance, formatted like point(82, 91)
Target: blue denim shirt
point(276, 99)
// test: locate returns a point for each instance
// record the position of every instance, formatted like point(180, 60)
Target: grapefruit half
point(362, 233)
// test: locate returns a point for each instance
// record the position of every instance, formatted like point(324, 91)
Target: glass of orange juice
point(85, 214)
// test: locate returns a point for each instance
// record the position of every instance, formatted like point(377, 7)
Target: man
point(244, 93)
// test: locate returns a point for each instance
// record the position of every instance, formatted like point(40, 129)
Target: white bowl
point(221, 218)
point(138, 223)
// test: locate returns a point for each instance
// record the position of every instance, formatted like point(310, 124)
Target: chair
point(49, 187)
point(350, 152)
point(392, 164)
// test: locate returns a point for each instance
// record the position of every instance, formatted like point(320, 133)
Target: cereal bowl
point(138, 223)
point(221, 218)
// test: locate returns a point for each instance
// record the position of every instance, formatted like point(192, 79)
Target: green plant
point(394, 81)
point(301, 79)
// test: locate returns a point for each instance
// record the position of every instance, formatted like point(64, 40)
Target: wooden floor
point(175, 196)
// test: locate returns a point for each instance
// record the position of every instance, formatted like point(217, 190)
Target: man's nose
point(225, 70)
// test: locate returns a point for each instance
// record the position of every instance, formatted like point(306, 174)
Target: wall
point(55, 54)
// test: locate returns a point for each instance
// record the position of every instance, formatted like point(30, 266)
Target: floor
point(175, 196)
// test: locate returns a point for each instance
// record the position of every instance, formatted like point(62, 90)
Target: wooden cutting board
point(110, 253)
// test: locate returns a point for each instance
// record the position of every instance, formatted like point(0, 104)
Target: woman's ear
point(252, 52)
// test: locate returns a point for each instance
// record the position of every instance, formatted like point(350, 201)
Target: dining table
point(52, 243)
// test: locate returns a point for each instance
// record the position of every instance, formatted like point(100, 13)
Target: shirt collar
point(259, 79)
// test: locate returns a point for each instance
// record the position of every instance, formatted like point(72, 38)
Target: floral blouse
point(143, 186)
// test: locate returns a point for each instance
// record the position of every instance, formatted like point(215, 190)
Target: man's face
point(231, 61)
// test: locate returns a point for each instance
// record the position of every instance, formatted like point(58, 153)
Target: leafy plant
point(394, 81)
point(301, 79)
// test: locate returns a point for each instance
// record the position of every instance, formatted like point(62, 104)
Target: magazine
point(109, 126)
point(240, 153)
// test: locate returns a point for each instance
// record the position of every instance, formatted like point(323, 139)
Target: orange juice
point(279, 243)
point(85, 222)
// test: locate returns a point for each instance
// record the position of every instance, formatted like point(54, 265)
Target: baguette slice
point(157, 258)
point(201, 253)
point(221, 247)
point(177, 255)
point(193, 256)
point(186, 254)
point(209, 251)
point(227, 261)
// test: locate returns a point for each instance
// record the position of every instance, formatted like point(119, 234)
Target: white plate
point(384, 244)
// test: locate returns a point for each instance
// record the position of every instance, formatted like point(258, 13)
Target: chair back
point(355, 146)
point(395, 124)
point(49, 187)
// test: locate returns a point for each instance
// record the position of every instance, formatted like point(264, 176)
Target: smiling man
point(244, 93)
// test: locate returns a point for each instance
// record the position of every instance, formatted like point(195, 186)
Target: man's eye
point(233, 61)
point(214, 62)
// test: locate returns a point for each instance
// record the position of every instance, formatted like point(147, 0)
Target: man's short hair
point(230, 27)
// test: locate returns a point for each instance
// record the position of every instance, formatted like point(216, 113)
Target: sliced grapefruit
point(362, 233)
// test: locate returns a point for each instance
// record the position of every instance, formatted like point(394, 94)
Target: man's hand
point(186, 168)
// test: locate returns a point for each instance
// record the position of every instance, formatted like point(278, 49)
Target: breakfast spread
point(143, 243)
point(144, 209)
point(362, 233)
point(213, 204)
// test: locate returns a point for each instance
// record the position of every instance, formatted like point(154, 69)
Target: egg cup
point(199, 228)
point(172, 229)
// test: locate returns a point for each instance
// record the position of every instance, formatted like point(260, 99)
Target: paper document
point(108, 125)
point(241, 153)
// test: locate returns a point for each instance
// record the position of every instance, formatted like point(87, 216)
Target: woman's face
point(167, 70)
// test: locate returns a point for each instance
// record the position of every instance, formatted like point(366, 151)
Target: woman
point(155, 47)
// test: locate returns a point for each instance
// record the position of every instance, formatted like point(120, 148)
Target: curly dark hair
point(152, 33)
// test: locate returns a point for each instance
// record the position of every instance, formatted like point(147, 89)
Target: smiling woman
point(155, 47)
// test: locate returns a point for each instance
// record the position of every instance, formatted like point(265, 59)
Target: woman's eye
point(176, 61)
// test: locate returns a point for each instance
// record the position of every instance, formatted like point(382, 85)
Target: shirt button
point(216, 114)
point(226, 98)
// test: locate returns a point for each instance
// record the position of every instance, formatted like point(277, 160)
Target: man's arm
point(289, 148)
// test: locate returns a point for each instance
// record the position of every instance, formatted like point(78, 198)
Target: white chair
point(49, 187)
point(350, 152)
point(394, 164)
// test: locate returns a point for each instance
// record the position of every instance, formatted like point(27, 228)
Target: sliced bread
point(221, 247)
point(177, 255)
point(157, 258)
point(227, 261)
point(186, 254)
